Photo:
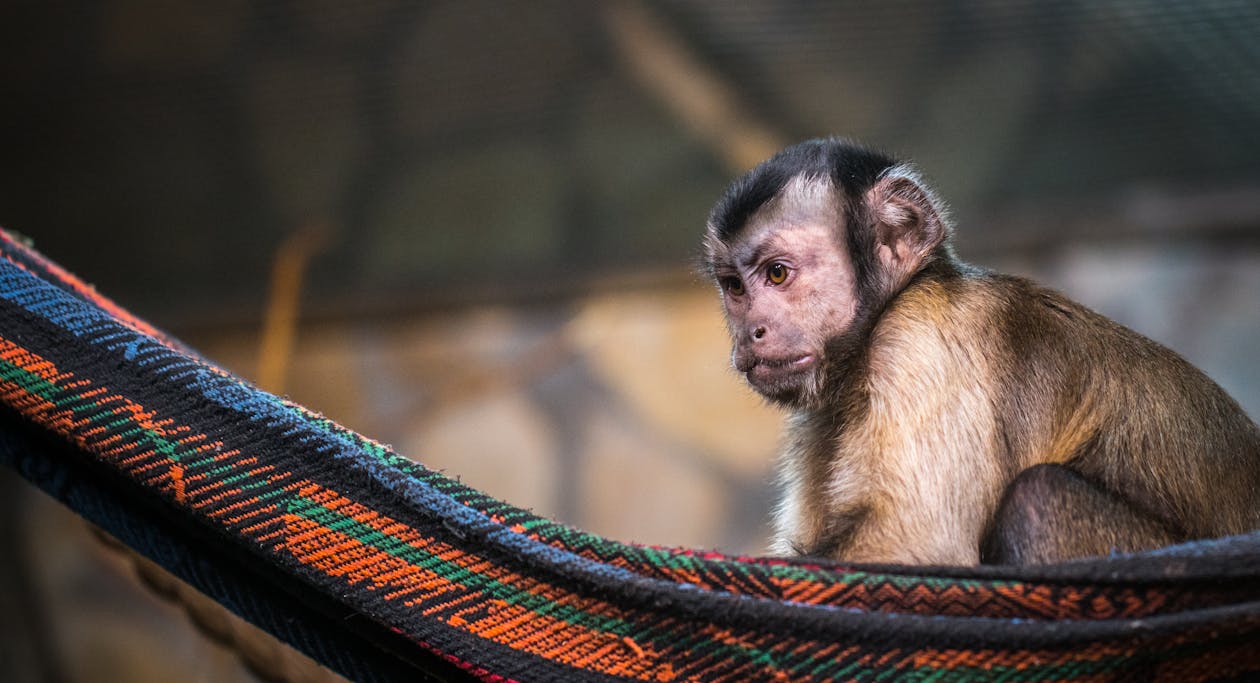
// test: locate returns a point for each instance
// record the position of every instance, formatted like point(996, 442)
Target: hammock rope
point(385, 570)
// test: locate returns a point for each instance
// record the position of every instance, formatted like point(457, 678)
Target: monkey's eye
point(733, 286)
point(776, 273)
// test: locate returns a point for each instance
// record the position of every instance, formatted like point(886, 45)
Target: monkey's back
point(1124, 410)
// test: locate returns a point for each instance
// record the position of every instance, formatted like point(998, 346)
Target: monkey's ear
point(907, 223)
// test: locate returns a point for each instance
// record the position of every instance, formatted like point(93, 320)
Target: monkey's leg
point(1050, 513)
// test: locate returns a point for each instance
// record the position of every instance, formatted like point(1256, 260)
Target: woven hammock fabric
point(385, 570)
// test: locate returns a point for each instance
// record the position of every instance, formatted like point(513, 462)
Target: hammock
point(384, 570)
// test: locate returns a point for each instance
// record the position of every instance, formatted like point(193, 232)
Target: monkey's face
point(788, 287)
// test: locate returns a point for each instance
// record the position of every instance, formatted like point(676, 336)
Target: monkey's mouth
point(772, 370)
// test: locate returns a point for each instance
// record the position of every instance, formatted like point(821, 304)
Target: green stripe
point(395, 547)
point(139, 436)
point(508, 593)
point(660, 558)
point(450, 571)
point(29, 381)
point(38, 386)
point(650, 556)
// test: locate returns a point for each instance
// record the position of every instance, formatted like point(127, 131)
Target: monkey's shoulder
point(955, 307)
point(973, 302)
point(937, 332)
point(995, 323)
point(982, 321)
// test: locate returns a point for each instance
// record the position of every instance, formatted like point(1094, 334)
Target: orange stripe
point(177, 478)
point(510, 625)
point(46, 370)
point(30, 362)
point(28, 404)
point(1017, 659)
point(81, 432)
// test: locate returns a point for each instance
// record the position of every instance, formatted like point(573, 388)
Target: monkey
point(940, 413)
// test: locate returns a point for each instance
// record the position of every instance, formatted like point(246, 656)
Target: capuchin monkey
point(945, 414)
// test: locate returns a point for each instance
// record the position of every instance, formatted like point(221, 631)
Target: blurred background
point(466, 229)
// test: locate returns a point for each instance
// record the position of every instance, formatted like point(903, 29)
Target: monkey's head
point(806, 250)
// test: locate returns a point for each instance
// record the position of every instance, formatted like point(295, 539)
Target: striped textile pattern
point(446, 579)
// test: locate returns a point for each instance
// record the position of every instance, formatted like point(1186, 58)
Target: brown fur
point(921, 391)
